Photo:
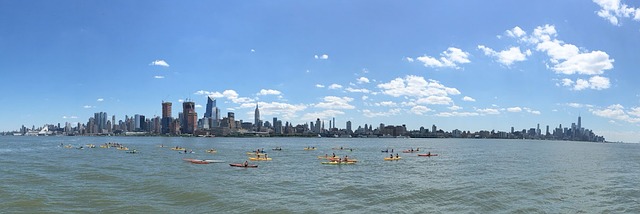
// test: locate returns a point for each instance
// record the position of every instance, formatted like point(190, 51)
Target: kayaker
point(246, 164)
point(397, 156)
point(418, 149)
point(265, 156)
point(391, 151)
point(429, 153)
point(334, 155)
point(391, 156)
point(346, 158)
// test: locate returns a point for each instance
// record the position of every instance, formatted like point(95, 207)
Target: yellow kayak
point(123, 148)
point(68, 147)
point(104, 146)
point(178, 149)
point(392, 159)
point(337, 163)
point(310, 148)
point(211, 151)
point(259, 159)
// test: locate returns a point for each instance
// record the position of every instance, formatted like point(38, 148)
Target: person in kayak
point(429, 153)
point(265, 156)
point(246, 164)
point(397, 156)
point(346, 158)
point(391, 156)
point(334, 155)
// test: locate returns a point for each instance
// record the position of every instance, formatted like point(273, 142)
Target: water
point(468, 176)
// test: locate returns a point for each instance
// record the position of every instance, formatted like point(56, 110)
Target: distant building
point(190, 117)
point(166, 118)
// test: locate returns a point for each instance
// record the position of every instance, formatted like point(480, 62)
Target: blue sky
point(470, 65)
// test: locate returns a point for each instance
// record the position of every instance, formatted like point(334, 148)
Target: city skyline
point(460, 65)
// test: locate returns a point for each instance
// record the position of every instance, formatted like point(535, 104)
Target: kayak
point(392, 159)
point(409, 151)
point(341, 148)
point(133, 152)
point(325, 157)
point(192, 152)
point(338, 159)
point(242, 165)
point(68, 147)
point(174, 148)
point(259, 159)
point(427, 155)
point(310, 148)
point(198, 161)
point(211, 151)
point(277, 149)
point(123, 148)
point(254, 153)
point(385, 151)
point(337, 163)
point(213, 161)
point(104, 146)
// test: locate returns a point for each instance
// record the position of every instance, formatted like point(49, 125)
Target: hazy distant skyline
point(468, 65)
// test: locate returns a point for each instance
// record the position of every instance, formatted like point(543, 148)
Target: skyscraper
point(166, 117)
point(190, 117)
point(211, 103)
point(257, 118)
point(579, 122)
point(349, 127)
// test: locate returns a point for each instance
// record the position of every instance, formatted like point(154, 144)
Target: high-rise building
point(211, 103)
point(349, 127)
point(190, 117)
point(257, 118)
point(166, 117)
point(579, 122)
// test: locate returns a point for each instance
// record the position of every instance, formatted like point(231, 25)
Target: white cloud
point(635, 112)
point(516, 32)
point(358, 90)
point(369, 113)
point(158, 77)
point(567, 82)
point(595, 82)
point(420, 110)
point(506, 57)
point(567, 58)
point(387, 104)
point(228, 94)
point(100, 99)
point(362, 80)
point(468, 99)
point(329, 113)
point(435, 100)
point(449, 59)
point(514, 109)
point(319, 86)
point(253, 51)
point(285, 110)
point(69, 117)
point(333, 102)
point(488, 111)
point(613, 10)
point(454, 108)
point(456, 114)
point(617, 112)
point(88, 106)
point(160, 63)
point(180, 100)
point(198, 106)
point(409, 59)
point(365, 97)
point(416, 86)
point(335, 86)
point(268, 92)
point(323, 56)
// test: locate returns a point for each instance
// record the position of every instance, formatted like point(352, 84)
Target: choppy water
point(469, 176)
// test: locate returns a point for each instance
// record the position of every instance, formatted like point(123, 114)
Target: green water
point(468, 176)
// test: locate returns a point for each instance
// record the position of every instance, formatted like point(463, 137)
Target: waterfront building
point(166, 117)
point(257, 119)
point(190, 117)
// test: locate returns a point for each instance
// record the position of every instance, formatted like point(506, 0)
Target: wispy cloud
point(319, 86)
point(268, 92)
point(323, 56)
point(362, 80)
point(88, 106)
point(450, 58)
point(335, 86)
point(468, 99)
point(158, 77)
point(160, 62)
point(333, 102)
point(100, 99)
point(506, 57)
point(614, 10)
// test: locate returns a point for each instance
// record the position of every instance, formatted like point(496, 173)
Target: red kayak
point(427, 155)
point(242, 165)
point(199, 162)
point(409, 151)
